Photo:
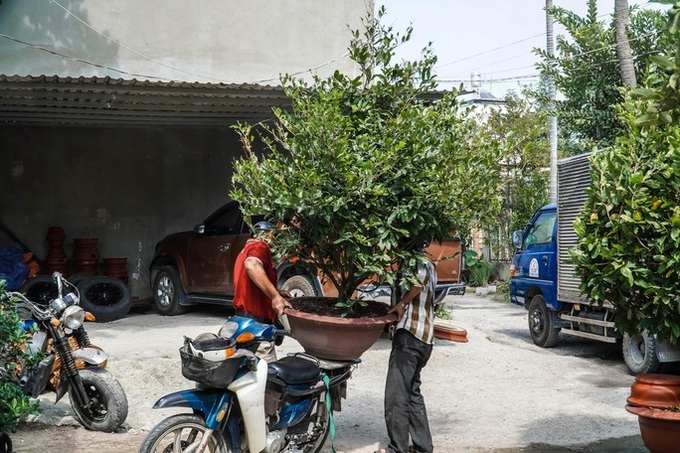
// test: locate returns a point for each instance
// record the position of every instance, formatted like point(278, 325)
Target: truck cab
point(534, 268)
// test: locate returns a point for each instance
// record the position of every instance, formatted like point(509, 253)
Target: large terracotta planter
point(655, 390)
point(651, 398)
point(334, 338)
point(447, 331)
point(660, 430)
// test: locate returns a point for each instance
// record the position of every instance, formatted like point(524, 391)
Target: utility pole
point(552, 95)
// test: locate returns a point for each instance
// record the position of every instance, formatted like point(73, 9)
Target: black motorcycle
point(69, 362)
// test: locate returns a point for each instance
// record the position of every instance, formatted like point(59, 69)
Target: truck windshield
point(542, 230)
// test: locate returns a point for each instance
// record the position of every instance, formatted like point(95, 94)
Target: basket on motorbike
point(212, 362)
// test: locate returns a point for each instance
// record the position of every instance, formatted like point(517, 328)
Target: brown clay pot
point(660, 430)
point(333, 338)
point(655, 390)
point(85, 249)
point(450, 332)
point(116, 268)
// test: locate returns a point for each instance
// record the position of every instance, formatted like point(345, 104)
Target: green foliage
point(629, 231)
point(520, 130)
point(661, 94)
point(480, 270)
point(366, 169)
point(586, 72)
point(442, 312)
point(13, 350)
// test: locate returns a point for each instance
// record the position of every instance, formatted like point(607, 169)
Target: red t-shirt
point(247, 296)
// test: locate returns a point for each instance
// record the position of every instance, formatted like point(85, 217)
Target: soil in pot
point(325, 306)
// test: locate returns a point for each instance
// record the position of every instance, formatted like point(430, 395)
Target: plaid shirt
point(419, 316)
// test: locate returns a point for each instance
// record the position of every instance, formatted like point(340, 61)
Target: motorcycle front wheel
point(182, 433)
point(108, 403)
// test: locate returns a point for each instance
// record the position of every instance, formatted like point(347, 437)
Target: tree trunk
point(623, 52)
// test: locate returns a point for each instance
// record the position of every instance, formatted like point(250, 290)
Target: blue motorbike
point(241, 403)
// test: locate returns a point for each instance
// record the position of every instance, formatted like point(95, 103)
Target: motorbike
point(242, 403)
point(68, 362)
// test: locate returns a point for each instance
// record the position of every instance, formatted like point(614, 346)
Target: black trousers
point(405, 412)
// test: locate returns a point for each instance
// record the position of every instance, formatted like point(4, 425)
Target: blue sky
point(492, 37)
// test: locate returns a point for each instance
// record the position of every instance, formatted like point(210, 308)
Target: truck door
point(536, 265)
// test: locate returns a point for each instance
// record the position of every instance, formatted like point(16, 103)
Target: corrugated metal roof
point(103, 101)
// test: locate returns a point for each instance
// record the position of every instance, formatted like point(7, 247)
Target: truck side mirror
point(517, 239)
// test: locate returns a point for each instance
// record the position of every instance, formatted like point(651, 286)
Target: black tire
point(542, 323)
point(188, 429)
point(106, 298)
point(639, 353)
point(168, 293)
point(41, 289)
point(299, 286)
point(75, 279)
point(5, 443)
point(109, 407)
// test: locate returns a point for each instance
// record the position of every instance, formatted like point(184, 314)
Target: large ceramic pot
point(447, 331)
point(335, 338)
point(652, 398)
point(660, 429)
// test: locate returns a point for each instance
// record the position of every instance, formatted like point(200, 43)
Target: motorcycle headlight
point(73, 317)
point(228, 329)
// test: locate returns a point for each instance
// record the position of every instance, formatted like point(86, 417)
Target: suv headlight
point(73, 317)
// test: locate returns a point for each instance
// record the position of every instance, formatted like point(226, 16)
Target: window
point(542, 230)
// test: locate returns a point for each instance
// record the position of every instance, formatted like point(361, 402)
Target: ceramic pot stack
point(116, 268)
point(655, 399)
point(86, 255)
point(56, 260)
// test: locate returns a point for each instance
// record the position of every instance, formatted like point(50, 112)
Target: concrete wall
point(130, 187)
point(231, 41)
point(127, 187)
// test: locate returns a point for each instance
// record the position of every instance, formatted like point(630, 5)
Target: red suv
point(197, 266)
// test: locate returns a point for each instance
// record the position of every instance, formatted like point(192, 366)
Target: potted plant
point(366, 169)
point(629, 230)
point(13, 351)
point(480, 272)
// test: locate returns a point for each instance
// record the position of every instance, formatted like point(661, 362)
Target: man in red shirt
point(255, 293)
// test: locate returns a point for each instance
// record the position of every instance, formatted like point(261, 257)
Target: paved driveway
point(496, 393)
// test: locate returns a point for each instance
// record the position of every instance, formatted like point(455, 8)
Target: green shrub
point(480, 270)
point(13, 350)
point(366, 169)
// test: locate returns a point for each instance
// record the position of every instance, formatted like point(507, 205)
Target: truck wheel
point(542, 323)
point(639, 353)
point(168, 292)
point(299, 286)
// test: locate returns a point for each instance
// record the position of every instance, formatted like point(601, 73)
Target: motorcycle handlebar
point(281, 332)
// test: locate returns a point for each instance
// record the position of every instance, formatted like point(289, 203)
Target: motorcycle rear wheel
point(317, 445)
point(184, 431)
point(109, 406)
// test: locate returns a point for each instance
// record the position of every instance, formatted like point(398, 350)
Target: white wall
point(229, 41)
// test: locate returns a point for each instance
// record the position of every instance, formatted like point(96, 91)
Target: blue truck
point(543, 280)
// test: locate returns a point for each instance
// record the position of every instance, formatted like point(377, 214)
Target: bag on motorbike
point(213, 362)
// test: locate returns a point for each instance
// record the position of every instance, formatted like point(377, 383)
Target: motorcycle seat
point(294, 370)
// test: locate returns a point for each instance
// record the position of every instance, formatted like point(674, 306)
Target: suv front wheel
point(168, 292)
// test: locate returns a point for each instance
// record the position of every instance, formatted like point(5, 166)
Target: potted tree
point(629, 231)
point(13, 351)
point(364, 170)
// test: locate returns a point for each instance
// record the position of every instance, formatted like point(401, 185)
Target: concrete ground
point(497, 393)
